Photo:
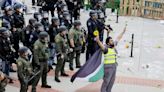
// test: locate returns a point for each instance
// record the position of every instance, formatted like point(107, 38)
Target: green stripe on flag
point(99, 75)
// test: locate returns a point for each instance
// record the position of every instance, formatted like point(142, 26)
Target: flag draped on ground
point(92, 70)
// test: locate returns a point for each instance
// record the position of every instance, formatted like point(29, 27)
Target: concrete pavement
point(142, 73)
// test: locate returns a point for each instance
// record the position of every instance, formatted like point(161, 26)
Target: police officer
point(71, 6)
point(26, 33)
point(18, 17)
point(62, 47)
point(53, 31)
point(93, 24)
point(61, 7)
point(40, 2)
point(41, 56)
point(99, 7)
point(6, 24)
point(45, 21)
point(37, 16)
point(76, 11)
point(101, 16)
point(35, 35)
point(93, 3)
point(50, 6)
point(14, 43)
point(3, 81)
point(66, 20)
point(5, 50)
point(76, 38)
point(25, 71)
point(110, 63)
point(8, 15)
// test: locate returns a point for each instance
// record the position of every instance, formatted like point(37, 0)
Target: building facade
point(153, 9)
point(144, 8)
point(130, 7)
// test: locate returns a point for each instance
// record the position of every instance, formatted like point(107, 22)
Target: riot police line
point(33, 48)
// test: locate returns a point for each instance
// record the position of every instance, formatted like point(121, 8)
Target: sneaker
point(46, 86)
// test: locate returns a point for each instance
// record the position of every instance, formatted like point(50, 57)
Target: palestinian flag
point(92, 70)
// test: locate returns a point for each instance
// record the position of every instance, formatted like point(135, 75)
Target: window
point(146, 3)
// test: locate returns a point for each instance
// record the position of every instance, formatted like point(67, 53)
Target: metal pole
point(131, 55)
point(117, 16)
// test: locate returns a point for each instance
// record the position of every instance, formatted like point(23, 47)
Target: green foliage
point(114, 4)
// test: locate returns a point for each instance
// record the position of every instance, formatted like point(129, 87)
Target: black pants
point(91, 49)
point(33, 2)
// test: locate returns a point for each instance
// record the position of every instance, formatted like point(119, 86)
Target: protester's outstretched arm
point(100, 43)
point(121, 34)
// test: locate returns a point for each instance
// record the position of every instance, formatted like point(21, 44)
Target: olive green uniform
point(25, 72)
point(41, 55)
point(78, 38)
point(62, 48)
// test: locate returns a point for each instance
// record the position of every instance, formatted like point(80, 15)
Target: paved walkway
point(142, 73)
